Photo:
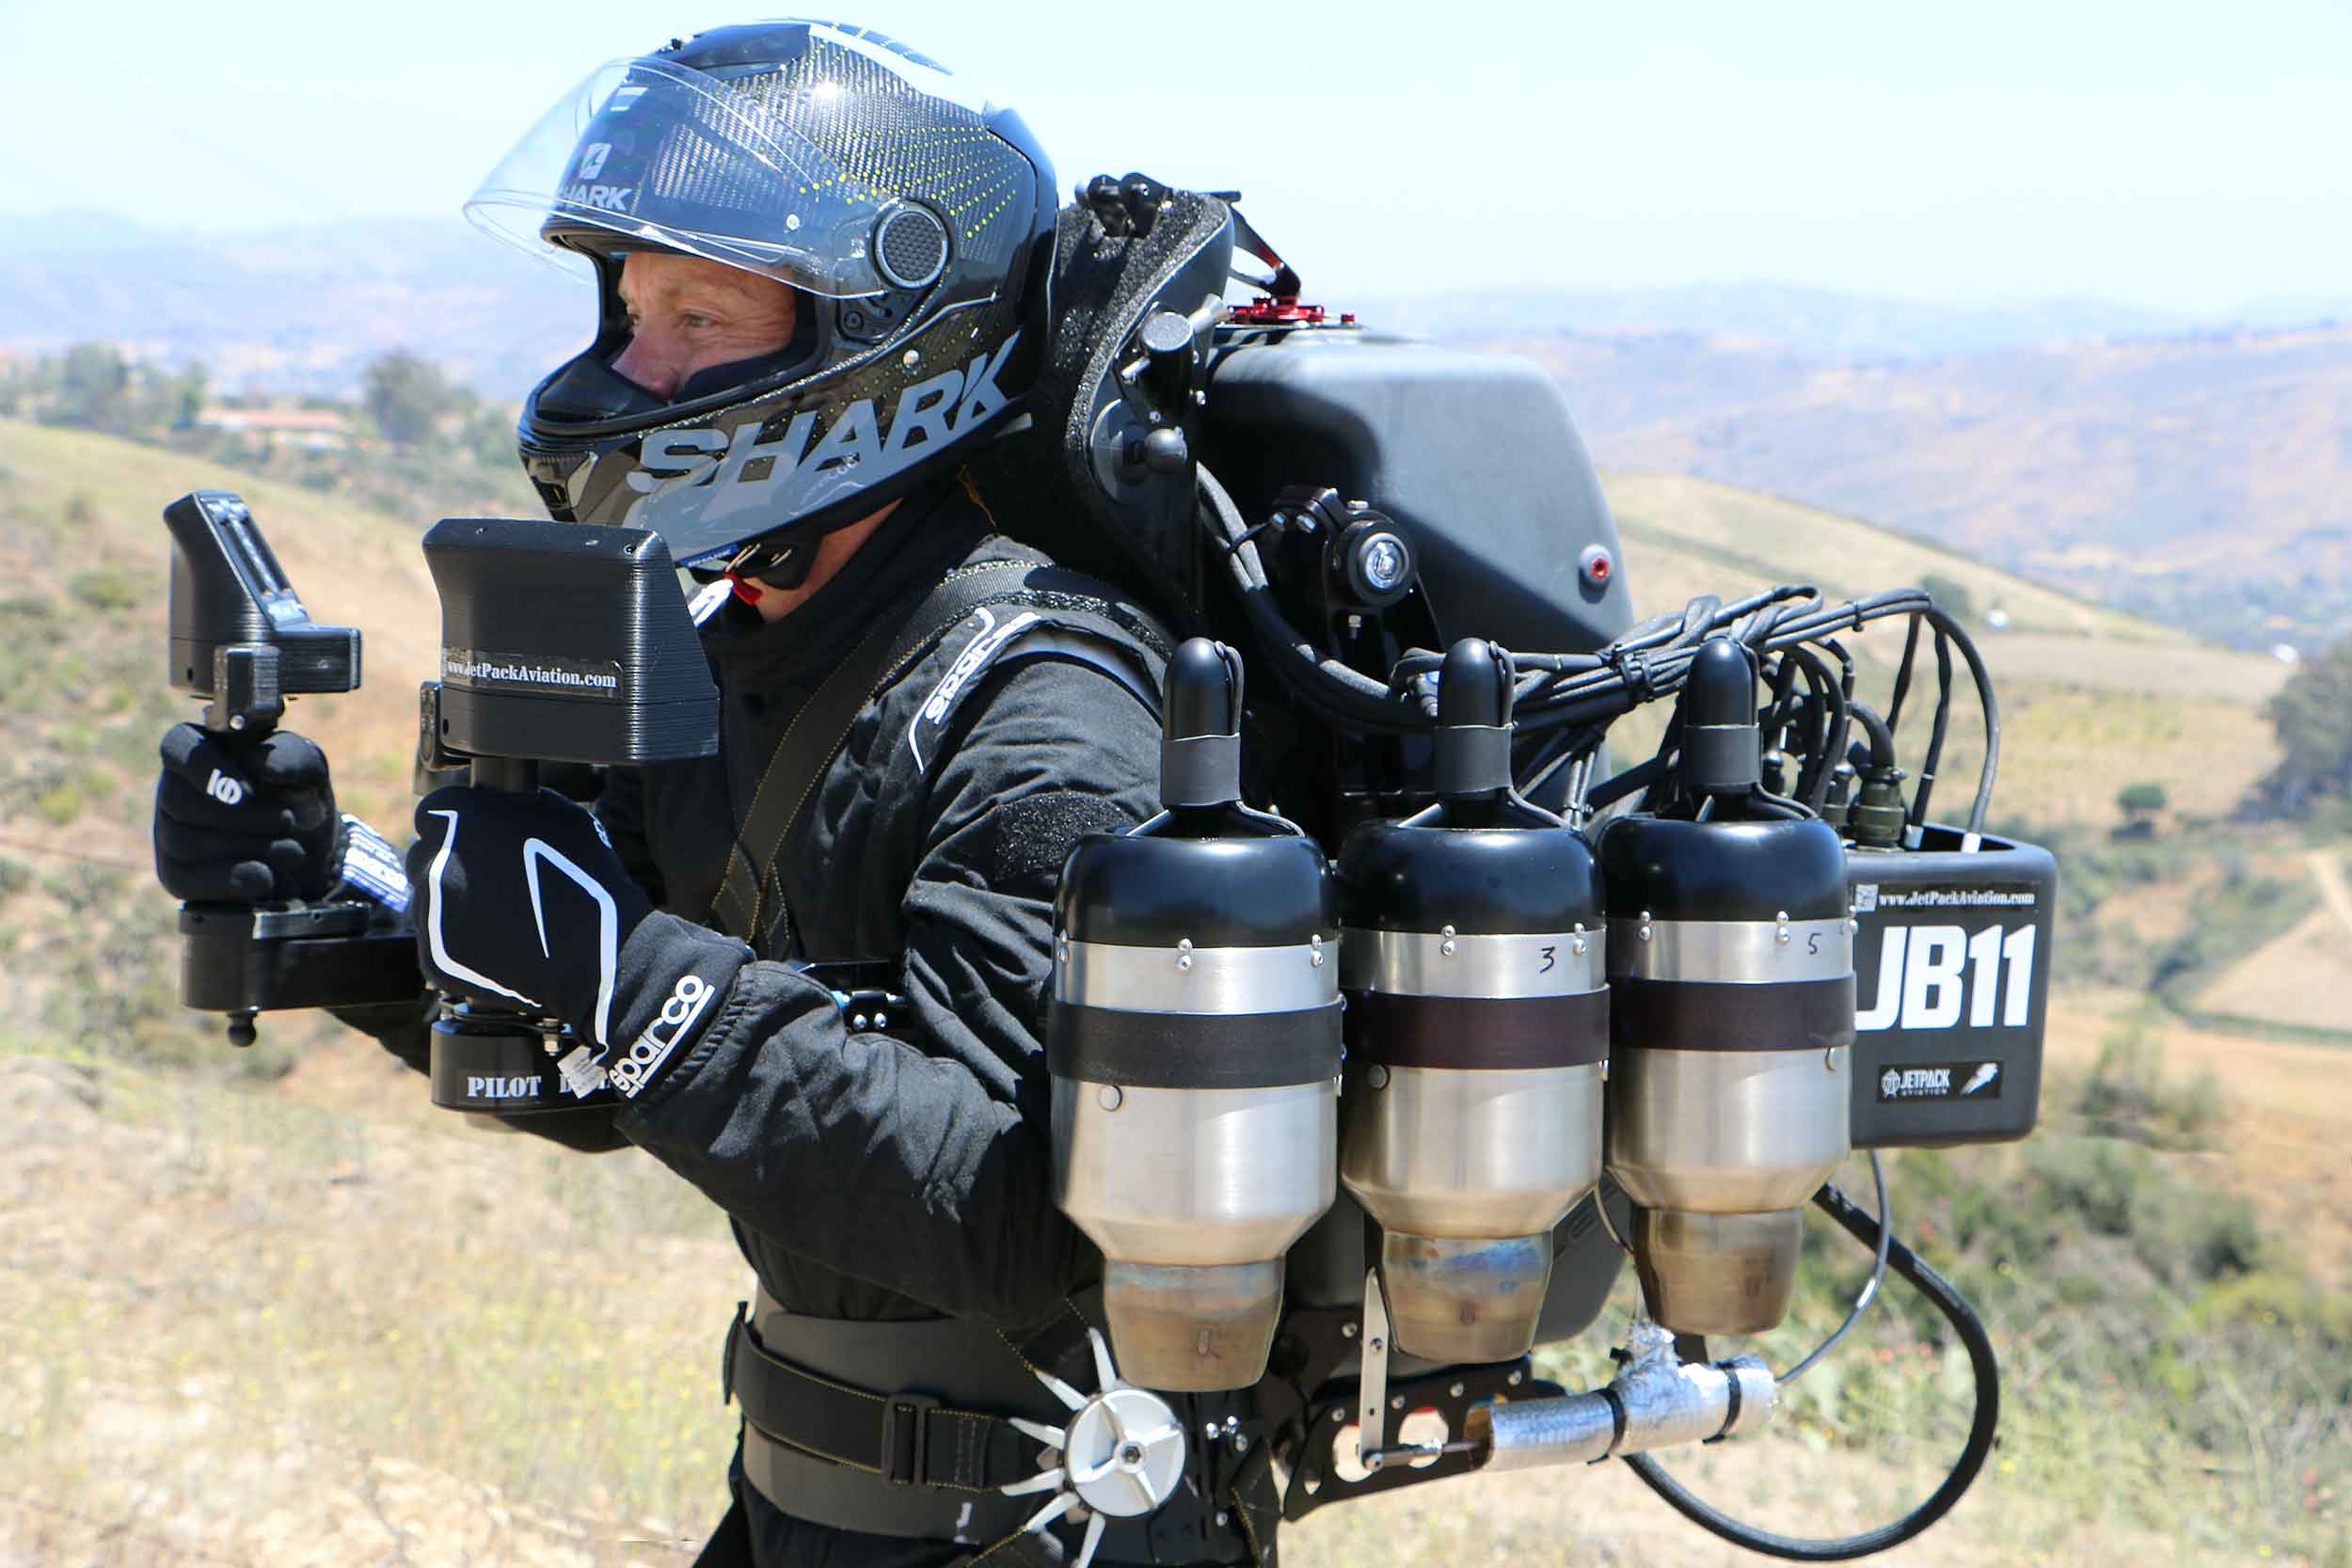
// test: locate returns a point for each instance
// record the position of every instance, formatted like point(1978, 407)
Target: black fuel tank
point(1474, 453)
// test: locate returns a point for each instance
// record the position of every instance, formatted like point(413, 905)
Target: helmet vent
point(910, 247)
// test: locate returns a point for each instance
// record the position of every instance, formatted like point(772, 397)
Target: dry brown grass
point(2287, 1120)
point(250, 1329)
point(323, 1322)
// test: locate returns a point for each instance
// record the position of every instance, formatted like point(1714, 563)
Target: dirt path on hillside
point(2327, 872)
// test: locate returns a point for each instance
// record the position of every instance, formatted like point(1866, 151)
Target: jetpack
point(1418, 1009)
point(1416, 1013)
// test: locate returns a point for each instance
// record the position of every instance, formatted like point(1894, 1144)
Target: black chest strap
point(748, 902)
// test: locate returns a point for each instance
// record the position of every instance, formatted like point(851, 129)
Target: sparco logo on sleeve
point(645, 1058)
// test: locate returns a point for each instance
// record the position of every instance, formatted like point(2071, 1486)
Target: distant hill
point(297, 309)
point(2204, 478)
point(2091, 697)
point(2197, 471)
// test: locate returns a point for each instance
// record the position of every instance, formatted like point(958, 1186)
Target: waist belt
point(822, 1442)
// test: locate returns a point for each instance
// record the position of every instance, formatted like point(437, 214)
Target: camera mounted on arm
point(240, 639)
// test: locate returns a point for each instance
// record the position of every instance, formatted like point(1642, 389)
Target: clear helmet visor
point(782, 170)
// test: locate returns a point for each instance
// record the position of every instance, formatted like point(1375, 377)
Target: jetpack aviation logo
point(533, 673)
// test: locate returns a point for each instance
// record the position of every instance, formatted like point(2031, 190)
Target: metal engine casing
point(1477, 1032)
point(1731, 964)
point(1194, 1043)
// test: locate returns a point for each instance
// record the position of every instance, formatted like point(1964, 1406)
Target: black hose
point(1903, 675)
point(1828, 704)
point(1874, 730)
point(1934, 758)
point(1981, 1363)
point(1991, 767)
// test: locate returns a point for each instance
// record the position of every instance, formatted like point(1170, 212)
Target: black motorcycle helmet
point(915, 219)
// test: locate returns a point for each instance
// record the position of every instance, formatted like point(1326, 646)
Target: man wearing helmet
point(820, 268)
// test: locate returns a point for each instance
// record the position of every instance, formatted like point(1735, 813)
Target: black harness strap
point(800, 758)
point(749, 897)
point(907, 1439)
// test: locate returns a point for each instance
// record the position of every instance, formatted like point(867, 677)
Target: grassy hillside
point(2091, 697)
point(83, 568)
point(214, 1363)
point(2200, 478)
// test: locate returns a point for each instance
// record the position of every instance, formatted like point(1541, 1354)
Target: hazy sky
point(2191, 157)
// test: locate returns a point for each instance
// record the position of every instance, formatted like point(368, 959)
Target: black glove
point(520, 899)
point(243, 821)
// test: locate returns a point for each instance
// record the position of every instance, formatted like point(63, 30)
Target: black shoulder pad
point(1030, 633)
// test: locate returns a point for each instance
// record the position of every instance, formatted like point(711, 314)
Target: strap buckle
point(906, 1437)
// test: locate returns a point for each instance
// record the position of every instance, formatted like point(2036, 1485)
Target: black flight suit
point(868, 1179)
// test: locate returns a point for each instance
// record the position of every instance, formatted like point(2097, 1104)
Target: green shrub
point(61, 804)
point(2128, 1096)
point(108, 588)
point(1951, 597)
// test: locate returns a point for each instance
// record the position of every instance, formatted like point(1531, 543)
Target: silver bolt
point(1108, 1097)
point(858, 1021)
point(1347, 1331)
point(1240, 1444)
point(1577, 947)
point(1852, 925)
point(1643, 932)
point(1397, 1403)
point(1378, 1076)
point(1184, 962)
point(1456, 1391)
point(1383, 560)
point(236, 721)
point(882, 1021)
point(1513, 1380)
point(1220, 1512)
point(911, 358)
